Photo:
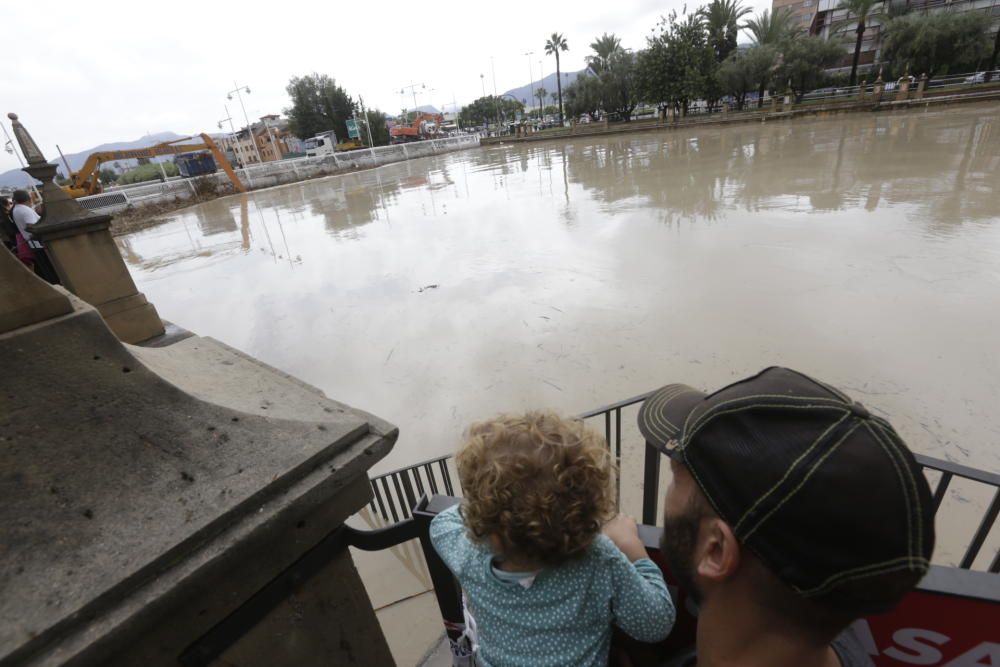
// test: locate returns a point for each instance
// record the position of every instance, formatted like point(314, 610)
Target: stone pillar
point(150, 499)
point(903, 87)
point(862, 89)
point(789, 95)
point(84, 254)
point(922, 86)
point(878, 88)
point(774, 102)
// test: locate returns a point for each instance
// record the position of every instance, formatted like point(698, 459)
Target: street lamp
point(531, 76)
point(229, 96)
point(482, 81)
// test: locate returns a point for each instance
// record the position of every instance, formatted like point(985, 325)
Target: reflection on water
point(863, 249)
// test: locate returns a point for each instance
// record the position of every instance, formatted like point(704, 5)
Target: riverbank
point(870, 102)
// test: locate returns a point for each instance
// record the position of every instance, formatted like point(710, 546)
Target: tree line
point(694, 57)
point(318, 105)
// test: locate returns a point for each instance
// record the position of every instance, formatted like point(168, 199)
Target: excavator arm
point(85, 181)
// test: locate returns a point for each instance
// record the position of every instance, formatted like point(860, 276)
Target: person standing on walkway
point(25, 217)
point(8, 230)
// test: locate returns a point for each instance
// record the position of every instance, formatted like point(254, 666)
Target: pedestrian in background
point(29, 249)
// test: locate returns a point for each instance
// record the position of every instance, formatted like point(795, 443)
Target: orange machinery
point(424, 126)
point(85, 181)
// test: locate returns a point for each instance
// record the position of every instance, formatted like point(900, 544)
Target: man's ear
point(718, 551)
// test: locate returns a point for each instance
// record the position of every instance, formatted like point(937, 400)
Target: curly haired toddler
point(542, 581)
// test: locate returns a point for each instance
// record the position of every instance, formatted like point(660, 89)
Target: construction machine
point(423, 126)
point(86, 182)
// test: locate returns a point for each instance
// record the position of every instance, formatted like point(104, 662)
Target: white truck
point(324, 143)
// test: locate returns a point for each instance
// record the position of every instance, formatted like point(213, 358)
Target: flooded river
point(864, 249)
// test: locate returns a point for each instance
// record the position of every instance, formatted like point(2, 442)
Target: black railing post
point(650, 485)
point(984, 529)
point(446, 589)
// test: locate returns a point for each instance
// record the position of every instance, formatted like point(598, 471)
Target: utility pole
point(496, 105)
point(531, 77)
point(229, 96)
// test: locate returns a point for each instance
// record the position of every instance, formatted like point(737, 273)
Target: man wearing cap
point(792, 512)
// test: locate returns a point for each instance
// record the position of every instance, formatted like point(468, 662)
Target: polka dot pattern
point(564, 618)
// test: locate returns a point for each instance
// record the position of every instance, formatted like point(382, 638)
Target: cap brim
point(662, 415)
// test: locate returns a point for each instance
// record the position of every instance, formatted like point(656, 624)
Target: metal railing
point(396, 493)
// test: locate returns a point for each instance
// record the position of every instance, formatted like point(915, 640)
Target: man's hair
point(537, 483)
point(21, 196)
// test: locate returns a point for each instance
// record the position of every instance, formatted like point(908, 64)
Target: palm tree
point(553, 45)
point(721, 19)
point(540, 94)
point(604, 47)
point(861, 9)
point(771, 28)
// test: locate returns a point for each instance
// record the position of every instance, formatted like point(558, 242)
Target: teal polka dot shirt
point(564, 616)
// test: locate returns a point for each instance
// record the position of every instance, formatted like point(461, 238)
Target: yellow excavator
point(86, 182)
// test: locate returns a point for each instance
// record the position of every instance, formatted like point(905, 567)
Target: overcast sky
point(117, 70)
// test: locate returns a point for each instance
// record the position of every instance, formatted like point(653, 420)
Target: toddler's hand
point(625, 534)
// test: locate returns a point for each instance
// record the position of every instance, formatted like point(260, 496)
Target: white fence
point(278, 172)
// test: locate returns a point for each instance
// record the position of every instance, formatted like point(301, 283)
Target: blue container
point(195, 164)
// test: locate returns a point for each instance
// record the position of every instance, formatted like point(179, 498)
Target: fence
point(396, 493)
point(278, 172)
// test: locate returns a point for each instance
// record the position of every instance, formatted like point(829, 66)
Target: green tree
point(378, 126)
point(618, 85)
point(107, 175)
point(604, 47)
point(804, 61)
point(148, 172)
point(859, 10)
point(488, 110)
point(747, 70)
point(936, 43)
point(677, 66)
point(721, 19)
point(318, 105)
point(541, 93)
point(553, 45)
point(583, 96)
point(772, 28)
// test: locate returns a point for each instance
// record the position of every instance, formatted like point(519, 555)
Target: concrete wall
point(277, 173)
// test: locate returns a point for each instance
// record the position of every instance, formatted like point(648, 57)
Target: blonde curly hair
point(538, 484)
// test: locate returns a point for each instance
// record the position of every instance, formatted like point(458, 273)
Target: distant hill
point(15, 178)
point(525, 92)
point(427, 108)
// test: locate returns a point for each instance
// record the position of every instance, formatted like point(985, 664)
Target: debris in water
point(427, 287)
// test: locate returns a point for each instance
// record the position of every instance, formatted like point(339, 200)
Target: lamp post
point(238, 90)
point(531, 76)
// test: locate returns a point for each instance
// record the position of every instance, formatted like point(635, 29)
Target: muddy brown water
point(863, 249)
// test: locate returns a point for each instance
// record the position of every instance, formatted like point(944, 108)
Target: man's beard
point(680, 535)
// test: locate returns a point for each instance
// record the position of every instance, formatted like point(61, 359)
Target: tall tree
point(618, 85)
point(721, 19)
point(378, 126)
point(936, 43)
point(859, 10)
point(677, 65)
point(583, 96)
point(553, 45)
point(747, 70)
point(604, 47)
point(318, 105)
point(804, 62)
point(772, 28)
point(541, 93)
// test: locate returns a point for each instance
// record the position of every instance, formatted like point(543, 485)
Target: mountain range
point(525, 93)
point(15, 178)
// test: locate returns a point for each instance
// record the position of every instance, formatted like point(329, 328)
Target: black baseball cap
point(825, 493)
